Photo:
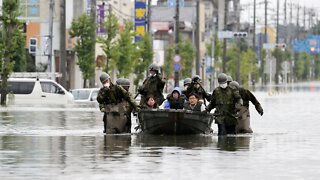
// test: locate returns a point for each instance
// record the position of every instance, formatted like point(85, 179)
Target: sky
point(247, 10)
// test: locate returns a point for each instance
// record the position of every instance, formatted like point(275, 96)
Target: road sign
point(225, 34)
point(176, 58)
point(273, 45)
point(176, 67)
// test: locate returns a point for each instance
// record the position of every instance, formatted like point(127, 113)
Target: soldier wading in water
point(227, 102)
point(111, 99)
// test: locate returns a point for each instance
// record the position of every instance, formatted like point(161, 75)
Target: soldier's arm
point(212, 103)
point(238, 99)
point(255, 102)
point(128, 97)
point(100, 99)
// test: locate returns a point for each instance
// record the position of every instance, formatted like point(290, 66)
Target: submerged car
point(85, 95)
point(37, 91)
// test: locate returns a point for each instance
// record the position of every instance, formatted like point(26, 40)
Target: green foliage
point(187, 53)
point(10, 41)
point(127, 52)
point(168, 62)
point(302, 66)
point(145, 51)
point(82, 29)
point(247, 65)
point(109, 46)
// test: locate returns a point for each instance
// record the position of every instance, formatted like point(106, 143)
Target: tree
point(9, 43)
point(145, 52)
point(125, 62)
point(187, 53)
point(21, 55)
point(82, 28)
point(168, 62)
point(111, 26)
point(247, 66)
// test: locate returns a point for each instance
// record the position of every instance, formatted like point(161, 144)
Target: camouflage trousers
point(116, 120)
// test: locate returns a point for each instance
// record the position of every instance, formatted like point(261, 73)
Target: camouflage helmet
point(120, 81)
point(222, 78)
point(123, 82)
point(234, 84)
point(229, 79)
point(196, 79)
point(187, 81)
point(154, 67)
point(126, 82)
point(104, 76)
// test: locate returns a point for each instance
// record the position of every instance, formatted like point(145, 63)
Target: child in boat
point(193, 104)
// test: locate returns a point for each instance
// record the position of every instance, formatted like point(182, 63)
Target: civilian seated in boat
point(175, 100)
point(150, 103)
point(193, 104)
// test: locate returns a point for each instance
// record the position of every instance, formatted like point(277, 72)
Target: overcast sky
point(247, 10)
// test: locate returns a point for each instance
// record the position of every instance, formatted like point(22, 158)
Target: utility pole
point(277, 50)
point(224, 52)
point(93, 12)
point(149, 17)
point(177, 28)
point(285, 22)
point(63, 42)
point(50, 62)
point(239, 46)
point(298, 26)
point(198, 38)
point(212, 48)
point(304, 18)
point(265, 38)
point(254, 28)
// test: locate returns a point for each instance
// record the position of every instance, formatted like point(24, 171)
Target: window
point(81, 94)
point(94, 95)
point(21, 87)
point(30, 8)
point(49, 87)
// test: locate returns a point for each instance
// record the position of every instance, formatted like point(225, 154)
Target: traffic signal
point(240, 34)
point(280, 46)
point(33, 45)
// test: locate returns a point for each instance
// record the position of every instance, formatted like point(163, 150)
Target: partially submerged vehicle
point(85, 95)
point(37, 91)
point(169, 121)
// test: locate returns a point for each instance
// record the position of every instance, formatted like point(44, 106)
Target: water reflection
point(233, 143)
point(185, 142)
point(116, 146)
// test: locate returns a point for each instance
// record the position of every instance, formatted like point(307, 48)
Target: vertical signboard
point(100, 18)
point(139, 19)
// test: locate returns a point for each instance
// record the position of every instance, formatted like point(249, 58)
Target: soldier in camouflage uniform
point(227, 101)
point(110, 99)
point(196, 88)
point(186, 84)
point(229, 79)
point(125, 83)
point(243, 125)
point(153, 85)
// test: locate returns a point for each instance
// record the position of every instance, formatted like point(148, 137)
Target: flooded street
point(67, 142)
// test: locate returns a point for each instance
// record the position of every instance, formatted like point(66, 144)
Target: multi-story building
point(36, 15)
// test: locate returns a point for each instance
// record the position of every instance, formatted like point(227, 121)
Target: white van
point(37, 91)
